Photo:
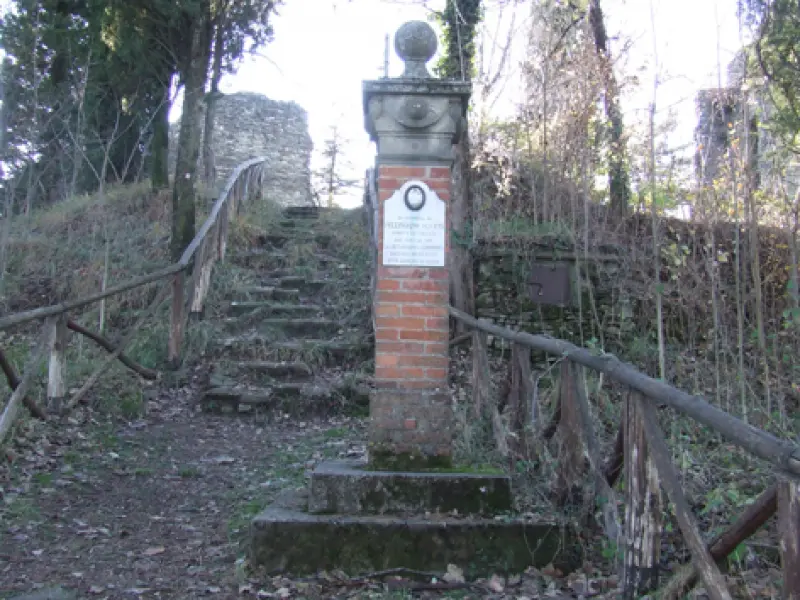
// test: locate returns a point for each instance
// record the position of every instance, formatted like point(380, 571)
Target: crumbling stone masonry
point(249, 125)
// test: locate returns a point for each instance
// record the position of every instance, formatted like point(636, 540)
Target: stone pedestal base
point(410, 430)
point(347, 487)
point(289, 541)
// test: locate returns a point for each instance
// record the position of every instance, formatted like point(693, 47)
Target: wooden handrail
point(182, 264)
point(784, 455)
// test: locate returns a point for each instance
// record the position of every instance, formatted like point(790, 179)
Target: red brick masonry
point(411, 409)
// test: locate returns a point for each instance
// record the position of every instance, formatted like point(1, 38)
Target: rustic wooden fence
point(641, 452)
point(195, 265)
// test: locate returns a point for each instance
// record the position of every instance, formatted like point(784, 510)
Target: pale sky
point(324, 49)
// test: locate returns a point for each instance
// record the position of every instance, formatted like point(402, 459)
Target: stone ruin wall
point(249, 125)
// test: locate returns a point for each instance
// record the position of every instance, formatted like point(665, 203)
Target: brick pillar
point(415, 121)
point(411, 411)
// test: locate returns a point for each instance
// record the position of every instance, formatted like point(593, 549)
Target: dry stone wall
point(249, 125)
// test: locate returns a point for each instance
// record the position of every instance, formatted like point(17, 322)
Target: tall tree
point(618, 179)
point(331, 177)
point(776, 25)
point(240, 22)
point(459, 21)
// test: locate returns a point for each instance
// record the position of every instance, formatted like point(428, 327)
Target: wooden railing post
point(789, 526)
point(176, 320)
point(522, 411)
point(570, 435)
point(480, 373)
point(643, 506)
point(669, 480)
point(57, 371)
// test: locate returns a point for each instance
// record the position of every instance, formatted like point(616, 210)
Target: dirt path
point(152, 509)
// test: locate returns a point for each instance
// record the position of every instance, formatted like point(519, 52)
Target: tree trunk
point(209, 160)
point(194, 75)
point(462, 292)
point(618, 180)
point(159, 146)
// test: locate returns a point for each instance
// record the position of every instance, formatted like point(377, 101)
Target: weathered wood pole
point(789, 526)
point(176, 321)
point(643, 506)
point(57, 371)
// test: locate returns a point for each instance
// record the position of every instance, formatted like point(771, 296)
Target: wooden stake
point(657, 446)
point(106, 344)
point(14, 381)
point(643, 506)
point(57, 372)
point(570, 435)
point(31, 369)
point(758, 513)
point(480, 373)
point(176, 321)
point(78, 396)
point(789, 526)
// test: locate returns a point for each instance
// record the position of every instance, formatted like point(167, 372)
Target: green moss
point(385, 460)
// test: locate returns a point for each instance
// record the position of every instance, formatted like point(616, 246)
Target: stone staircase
point(293, 329)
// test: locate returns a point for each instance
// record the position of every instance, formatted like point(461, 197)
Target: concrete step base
point(285, 540)
point(346, 487)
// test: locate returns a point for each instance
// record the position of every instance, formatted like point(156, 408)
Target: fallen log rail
point(195, 265)
point(642, 457)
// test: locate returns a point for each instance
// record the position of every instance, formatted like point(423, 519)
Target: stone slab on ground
point(347, 487)
point(53, 593)
point(300, 543)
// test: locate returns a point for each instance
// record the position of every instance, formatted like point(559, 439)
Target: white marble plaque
point(414, 227)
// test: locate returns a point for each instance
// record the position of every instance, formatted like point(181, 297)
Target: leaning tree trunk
point(618, 180)
point(209, 160)
point(462, 294)
point(183, 193)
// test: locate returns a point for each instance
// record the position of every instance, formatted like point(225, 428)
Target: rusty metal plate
point(550, 284)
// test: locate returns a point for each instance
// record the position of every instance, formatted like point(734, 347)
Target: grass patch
point(336, 433)
point(190, 473)
point(239, 523)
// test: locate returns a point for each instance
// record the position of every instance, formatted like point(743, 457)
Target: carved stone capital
point(415, 118)
point(413, 127)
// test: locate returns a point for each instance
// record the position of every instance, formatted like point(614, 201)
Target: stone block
point(347, 487)
point(410, 429)
point(291, 541)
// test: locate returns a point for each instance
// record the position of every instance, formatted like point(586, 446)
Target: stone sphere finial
point(415, 42)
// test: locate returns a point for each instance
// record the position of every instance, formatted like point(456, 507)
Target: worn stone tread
point(273, 293)
point(293, 541)
point(273, 308)
point(294, 369)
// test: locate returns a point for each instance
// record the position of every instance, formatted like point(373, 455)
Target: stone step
point(301, 282)
point(272, 308)
point(294, 398)
point(297, 398)
point(302, 212)
point(259, 258)
point(279, 370)
point(268, 293)
point(348, 487)
point(334, 349)
point(301, 326)
point(294, 541)
point(281, 237)
point(257, 345)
